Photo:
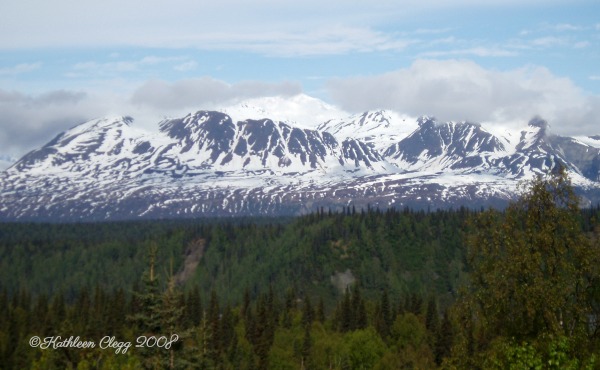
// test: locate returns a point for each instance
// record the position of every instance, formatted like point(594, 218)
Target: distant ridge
point(209, 163)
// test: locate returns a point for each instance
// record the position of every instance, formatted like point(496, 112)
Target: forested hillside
point(357, 289)
point(401, 251)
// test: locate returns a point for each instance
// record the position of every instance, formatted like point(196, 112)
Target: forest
point(359, 289)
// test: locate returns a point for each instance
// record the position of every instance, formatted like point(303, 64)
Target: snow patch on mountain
point(379, 129)
point(275, 156)
point(299, 110)
point(593, 141)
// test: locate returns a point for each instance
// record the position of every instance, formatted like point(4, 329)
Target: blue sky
point(62, 62)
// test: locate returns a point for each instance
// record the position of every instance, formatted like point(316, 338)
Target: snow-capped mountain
point(379, 129)
point(439, 146)
point(212, 140)
point(209, 163)
point(298, 110)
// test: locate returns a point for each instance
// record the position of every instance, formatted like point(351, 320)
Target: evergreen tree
point(245, 309)
point(40, 312)
point(193, 307)
point(383, 316)
point(306, 348)
point(345, 314)
point(148, 318)
point(172, 320)
point(443, 342)
point(414, 304)
point(214, 327)
point(359, 310)
point(116, 312)
point(289, 304)
point(308, 313)
point(264, 332)
point(58, 310)
point(432, 322)
point(320, 314)
point(227, 331)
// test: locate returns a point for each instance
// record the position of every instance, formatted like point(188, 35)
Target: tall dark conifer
point(148, 317)
point(345, 315)
point(172, 319)
point(214, 326)
point(383, 316)
point(358, 310)
point(443, 342)
point(193, 307)
point(308, 312)
point(320, 313)
point(306, 362)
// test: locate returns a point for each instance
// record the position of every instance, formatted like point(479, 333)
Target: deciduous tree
point(533, 270)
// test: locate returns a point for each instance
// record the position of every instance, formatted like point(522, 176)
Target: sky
point(500, 62)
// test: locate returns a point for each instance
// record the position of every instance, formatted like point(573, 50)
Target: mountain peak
point(110, 121)
point(535, 135)
point(539, 123)
point(426, 120)
point(211, 163)
point(299, 109)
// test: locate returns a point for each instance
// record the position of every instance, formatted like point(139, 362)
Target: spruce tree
point(320, 314)
point(359, 310)
point(193, 307)
point(345, 314)
point(308, 313)
point(306, 348)
point(443, 341)
point(214, 327)
point(172, 315)
point(383, 316)
point(148, 318)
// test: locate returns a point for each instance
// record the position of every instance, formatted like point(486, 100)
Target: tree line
point(268, 331)
point(518, 288)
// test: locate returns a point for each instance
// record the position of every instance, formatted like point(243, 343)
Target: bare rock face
point(206, 164)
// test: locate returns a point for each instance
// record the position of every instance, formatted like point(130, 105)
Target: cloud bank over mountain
point(463, 90)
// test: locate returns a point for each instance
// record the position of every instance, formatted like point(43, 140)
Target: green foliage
point(555, 353)
point(533, 271)
point(410, 338)
point(48, 258)
point(364, 348)
point(401, 252)
point(241, 295)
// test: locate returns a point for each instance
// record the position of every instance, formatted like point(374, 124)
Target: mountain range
point(249, 161)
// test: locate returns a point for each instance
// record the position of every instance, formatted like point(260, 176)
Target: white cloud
point(328, 40)
point(331, 26)
point(103, 68)
point(29, 121)
point(476, 51)
point(190, 23)
point(19, 69)
point(135, 64)
point(204, 93)
point(463, 90)
point(567, 27)
point(431, 31)
point(450, 40)
point(187, 66)
point(119, 67)
point(581, 44)
point(548, 41)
